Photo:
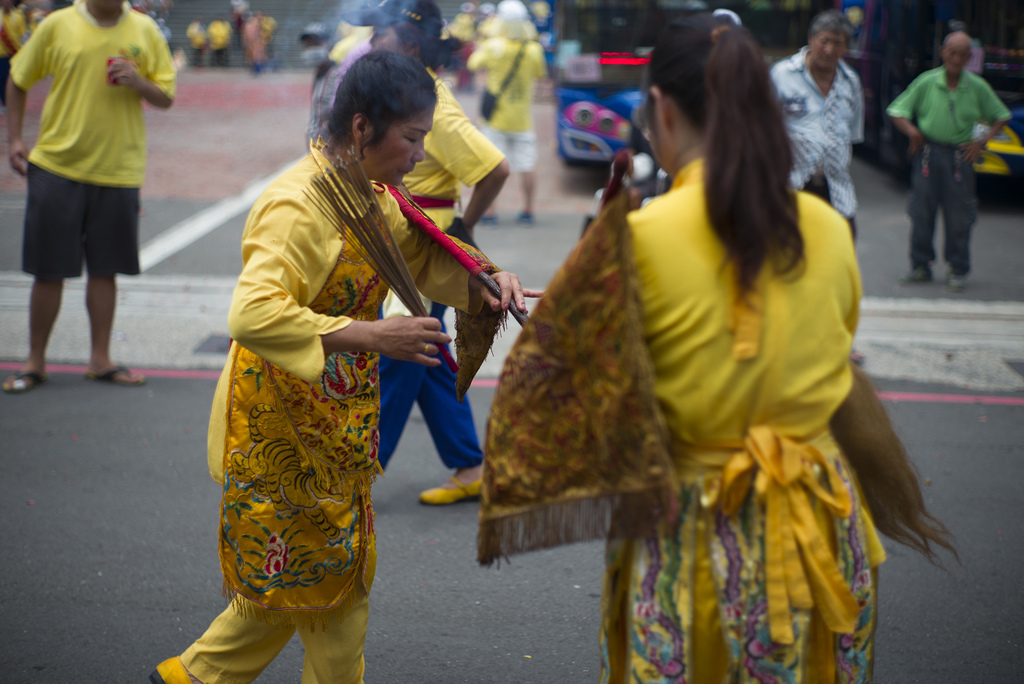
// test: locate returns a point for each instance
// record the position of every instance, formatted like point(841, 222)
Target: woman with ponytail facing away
point(750, 293)
point(745, 510)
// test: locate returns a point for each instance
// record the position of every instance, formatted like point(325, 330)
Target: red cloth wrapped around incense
point(474, 332)
point(417, 218)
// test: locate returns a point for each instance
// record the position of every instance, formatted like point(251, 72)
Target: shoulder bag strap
point(512, 73)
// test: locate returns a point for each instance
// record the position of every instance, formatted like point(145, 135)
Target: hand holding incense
point(344, 194)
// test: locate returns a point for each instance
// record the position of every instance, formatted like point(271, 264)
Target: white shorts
point(519, 147)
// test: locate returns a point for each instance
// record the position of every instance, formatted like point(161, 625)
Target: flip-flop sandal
point(120, 375)
point(23, 382)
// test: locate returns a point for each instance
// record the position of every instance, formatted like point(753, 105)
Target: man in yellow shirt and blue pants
point(455, 154)
point(86, 168)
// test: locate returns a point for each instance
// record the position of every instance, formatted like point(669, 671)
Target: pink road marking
point(149, 372)
point(904, 397)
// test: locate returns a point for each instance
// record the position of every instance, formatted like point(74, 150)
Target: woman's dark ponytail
point(749, 158)
point(719, 79)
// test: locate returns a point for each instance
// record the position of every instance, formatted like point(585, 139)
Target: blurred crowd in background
point(244, 29)
point(244, 35)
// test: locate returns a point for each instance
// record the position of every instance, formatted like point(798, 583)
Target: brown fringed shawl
point(577, 448)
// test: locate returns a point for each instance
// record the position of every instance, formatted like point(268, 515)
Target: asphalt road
point(110, 564)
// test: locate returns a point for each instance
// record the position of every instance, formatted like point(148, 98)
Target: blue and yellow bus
point(603, 46)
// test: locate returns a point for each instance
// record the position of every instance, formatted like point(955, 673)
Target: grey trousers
point(941, 177)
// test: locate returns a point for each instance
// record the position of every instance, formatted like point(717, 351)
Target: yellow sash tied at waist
point(800, 568)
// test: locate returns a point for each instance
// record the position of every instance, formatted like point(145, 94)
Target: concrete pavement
point(164, 320)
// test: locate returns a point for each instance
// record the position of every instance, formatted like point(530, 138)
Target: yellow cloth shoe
point(440, 496)
point(171, 671)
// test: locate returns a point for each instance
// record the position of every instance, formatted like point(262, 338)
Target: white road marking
point(163, 318)
point(201, 224)
point(943, 323)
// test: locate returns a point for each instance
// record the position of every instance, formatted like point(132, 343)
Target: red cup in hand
point(111, 61)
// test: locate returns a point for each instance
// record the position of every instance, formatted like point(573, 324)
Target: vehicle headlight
point(590, 116)
point(583, 115)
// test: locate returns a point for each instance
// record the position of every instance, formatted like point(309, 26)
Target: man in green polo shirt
point(946, 103)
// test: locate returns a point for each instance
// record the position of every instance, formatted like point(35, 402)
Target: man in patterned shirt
point(823, 104)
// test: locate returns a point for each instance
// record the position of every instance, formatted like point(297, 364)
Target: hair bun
point(718, 31)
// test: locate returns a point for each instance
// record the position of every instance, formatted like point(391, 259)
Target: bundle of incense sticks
point(344, 194)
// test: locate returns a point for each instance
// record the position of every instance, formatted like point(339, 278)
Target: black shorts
point(67, 222)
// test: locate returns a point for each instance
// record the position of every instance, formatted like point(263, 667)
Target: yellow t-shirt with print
point(456, 153)
point(91, 131)
point(514, 110)
point(13, 23)
point(219, 33)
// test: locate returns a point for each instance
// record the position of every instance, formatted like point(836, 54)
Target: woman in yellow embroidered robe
point(293, 430)
point(750, 299)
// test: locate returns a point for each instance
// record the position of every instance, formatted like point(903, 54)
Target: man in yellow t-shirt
point(463, 26)
point(196, 34)
point(12, 28)
point(511, 125)
point(456, 154)
point(219, 34)
point(86, 168)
